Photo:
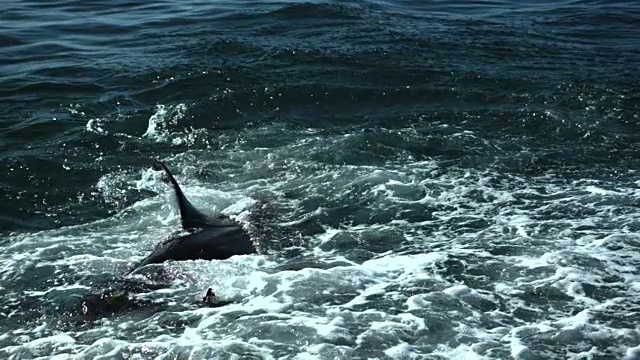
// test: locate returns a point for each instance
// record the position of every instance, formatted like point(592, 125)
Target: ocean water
point(433, 179)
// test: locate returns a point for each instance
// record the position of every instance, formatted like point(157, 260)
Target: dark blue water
point(443, 179)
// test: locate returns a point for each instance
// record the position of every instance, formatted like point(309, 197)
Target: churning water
point(434, 179)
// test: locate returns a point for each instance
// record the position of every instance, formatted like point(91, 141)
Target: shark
point(203, 237)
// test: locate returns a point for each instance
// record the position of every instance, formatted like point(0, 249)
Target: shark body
point(207, 237)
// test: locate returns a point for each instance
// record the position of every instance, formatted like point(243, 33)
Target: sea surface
point(433, 179)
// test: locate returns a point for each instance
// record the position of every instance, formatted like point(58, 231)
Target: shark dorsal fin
point(189, 215)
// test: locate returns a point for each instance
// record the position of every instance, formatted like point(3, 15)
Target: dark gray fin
point(190, 216)
point(209, 298)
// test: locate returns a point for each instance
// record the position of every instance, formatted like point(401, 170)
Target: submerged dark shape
point(117, 299)
point(208, 238)
point(126, 297)
point(122, 299)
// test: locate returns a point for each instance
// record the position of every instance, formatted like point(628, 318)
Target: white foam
point(632, 353)
point(461, 352)
point(56, 288)
point(402, 351)
point(44, 346)
point(162, 118)
point(540, 252)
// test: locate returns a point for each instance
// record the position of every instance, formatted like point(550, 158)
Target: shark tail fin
point(190, 216)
